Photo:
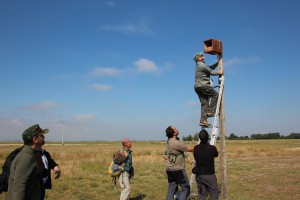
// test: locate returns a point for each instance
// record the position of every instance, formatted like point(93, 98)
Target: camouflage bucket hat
point(33, 131)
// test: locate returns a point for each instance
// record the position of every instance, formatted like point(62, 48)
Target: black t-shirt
point(204, 155)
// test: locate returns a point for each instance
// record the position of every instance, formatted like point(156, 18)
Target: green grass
point(256, 169)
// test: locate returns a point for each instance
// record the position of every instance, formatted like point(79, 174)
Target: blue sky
point(112, 69)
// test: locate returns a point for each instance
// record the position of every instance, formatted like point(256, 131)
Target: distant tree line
point(258, 136)
point(191, 138)
point(274, 136)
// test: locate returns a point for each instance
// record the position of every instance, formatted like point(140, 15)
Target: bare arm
point(190, 149)
point(57, 171)
point(190, 161)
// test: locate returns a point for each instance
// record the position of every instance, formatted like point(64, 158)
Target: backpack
point(4, 176)
point(114, 169)
point(116, 166)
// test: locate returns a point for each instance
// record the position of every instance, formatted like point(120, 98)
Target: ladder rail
point(215, 128)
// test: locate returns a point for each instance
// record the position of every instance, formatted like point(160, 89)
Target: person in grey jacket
point(25, 180)
point(207, 95)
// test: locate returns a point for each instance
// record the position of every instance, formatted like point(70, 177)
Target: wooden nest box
point(213, 46)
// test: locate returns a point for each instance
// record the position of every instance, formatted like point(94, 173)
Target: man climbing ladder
point(207, 95)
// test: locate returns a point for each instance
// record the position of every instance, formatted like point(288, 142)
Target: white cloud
point(106, 71)
point(101, 87)
point(41, 106)
point(141, 28)
point(15, 123)
point(193, 103)
point(240, 61)
point(141, 65)
point(84, 117)
point(110, 3)
point(62, 77)
point(10, 122)
point(167, 66)
point(233, 61)
point(144, 65)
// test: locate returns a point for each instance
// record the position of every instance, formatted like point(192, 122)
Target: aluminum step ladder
point(215, 128)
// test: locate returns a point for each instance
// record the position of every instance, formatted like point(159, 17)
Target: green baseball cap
point(33, 131)
point(198, 55)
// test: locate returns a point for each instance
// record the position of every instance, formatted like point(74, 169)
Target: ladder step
point(206, 126)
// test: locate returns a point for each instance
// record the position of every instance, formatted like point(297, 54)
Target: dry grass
point(263, 169)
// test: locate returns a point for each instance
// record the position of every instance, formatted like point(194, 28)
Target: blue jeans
point(176, 178)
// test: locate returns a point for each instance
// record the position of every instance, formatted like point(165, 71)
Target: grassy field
point(256, 169)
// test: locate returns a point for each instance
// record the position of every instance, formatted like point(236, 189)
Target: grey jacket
point(25, 180)
point(203, 72)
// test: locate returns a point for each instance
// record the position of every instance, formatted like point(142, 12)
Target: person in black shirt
point(204, 155)
point(46, 163)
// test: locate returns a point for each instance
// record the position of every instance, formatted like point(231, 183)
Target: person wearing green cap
point(26, 179)
point(207, 95)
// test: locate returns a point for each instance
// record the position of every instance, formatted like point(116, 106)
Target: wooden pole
point(62, 132)
point(223, 195)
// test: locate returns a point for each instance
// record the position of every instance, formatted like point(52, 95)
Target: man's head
point(203, 136)
point(126, 143)
point(171, 131)
point(33, 133)
point(199, 57)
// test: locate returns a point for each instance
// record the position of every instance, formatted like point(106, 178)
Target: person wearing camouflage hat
point(26, 180)
point(207, 95)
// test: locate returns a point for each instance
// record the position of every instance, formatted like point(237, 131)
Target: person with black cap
point(207, 95)
point(204, 155)
point(176, 165)
point(26, 179)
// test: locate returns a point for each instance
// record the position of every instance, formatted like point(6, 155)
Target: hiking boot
point(210, 114)
point(204, 123)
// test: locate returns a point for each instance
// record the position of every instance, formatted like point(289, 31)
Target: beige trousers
point(124, 181)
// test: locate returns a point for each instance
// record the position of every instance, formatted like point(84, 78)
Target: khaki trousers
point(124, 181)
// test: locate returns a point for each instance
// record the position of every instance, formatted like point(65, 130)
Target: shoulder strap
point(167, 147)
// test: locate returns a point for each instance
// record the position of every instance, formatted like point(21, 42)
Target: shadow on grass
point(138, 197)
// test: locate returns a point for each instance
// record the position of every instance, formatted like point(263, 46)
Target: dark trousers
point(43, 192)
point(176, 178)
point(205, 94)
point(207, 183)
